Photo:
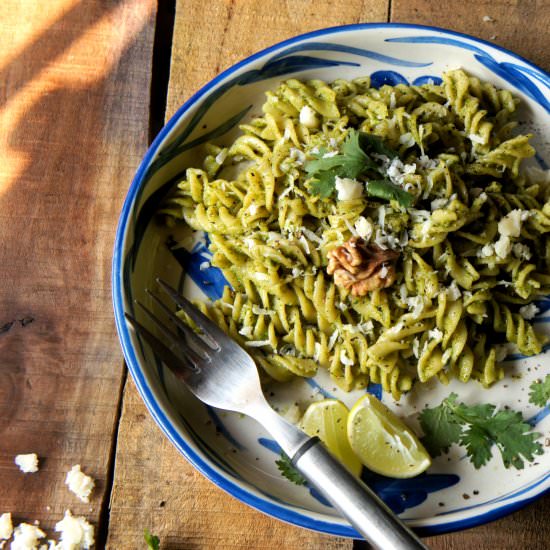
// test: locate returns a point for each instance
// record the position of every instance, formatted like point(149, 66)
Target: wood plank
point(208, 38)
point(74, 89)
point(516, 25)
point(511, 19)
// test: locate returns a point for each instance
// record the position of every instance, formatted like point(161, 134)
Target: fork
point(223, 375)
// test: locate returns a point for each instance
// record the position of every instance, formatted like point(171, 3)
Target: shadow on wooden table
point(75, 107)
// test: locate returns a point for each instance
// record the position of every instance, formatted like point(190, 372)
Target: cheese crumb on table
point(26, 536)
point(27, 463)
point(76, 533)
point(6, 526)
point(79, 483)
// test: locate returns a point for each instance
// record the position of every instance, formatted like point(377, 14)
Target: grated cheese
point(28, 463)
point(348, 189)
point(257, 343)
point(529, 311)
point(79, 483)
point(344, 359)
point(76, 533)
point(221, 156)
point(26, 537)
point(6, 526)
point(308, 117)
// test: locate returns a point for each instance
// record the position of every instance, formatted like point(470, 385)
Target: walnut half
point(360, 267)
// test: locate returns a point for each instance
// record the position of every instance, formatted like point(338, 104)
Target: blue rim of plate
point(266, 505)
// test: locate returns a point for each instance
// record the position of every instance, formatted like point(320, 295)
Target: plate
point(235, 452)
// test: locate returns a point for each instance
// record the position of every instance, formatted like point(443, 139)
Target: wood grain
point(518, 25)
point(74, 88)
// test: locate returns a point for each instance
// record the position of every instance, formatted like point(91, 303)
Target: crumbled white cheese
point(204, 265)
point(79, 483)
point(26, 537)
point(297, 155)
point(453, 292)
point(253, 209)
point(311, 235)
point(486, 251)
point(308, 117)
point(317, 351)
point(246, 331)
point(521, 251)
point(261, 311)
point(332, 339)
point(503, 247)
point(416, 347)
point(425, 162)
point(435, 334)
point(438, 203)
point(344, 359)
point(261, 276)
point(397, 171)
point(305, 244)
point(221, 156)
point(27, 463)
point(393, 101)
point(510, 225)
point(383, 271)
point(296, 272)
point(529, 311)
point(406, 139)
point(76, 533)
point(445, 358)
point(348, 189)
point(416, 304)
point(474, 138)
point(6, 526)
point(257, 343)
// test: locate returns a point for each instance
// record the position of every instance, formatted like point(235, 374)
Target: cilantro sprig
point(152, 541)
point(540, 392)
point(354, 162)
point(288, 470)
point(478, 428)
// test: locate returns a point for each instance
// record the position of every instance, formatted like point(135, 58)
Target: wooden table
point(84, 87)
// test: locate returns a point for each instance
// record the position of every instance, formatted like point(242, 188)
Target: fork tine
point(167, 356)
point(175, 339)
point(198, 317)
point(189, 334)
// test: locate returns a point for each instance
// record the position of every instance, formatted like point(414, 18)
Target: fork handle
point(357, 502)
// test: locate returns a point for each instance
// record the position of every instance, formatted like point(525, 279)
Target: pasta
point(472, 247)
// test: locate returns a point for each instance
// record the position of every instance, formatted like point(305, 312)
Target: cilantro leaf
point(384, 189)
point(323, 185)
point(478, 446)
point(479, 428)
point(540, 392)
point(152, 541)
point(353, 162)
point(288, 470)
point(440, 426)
point(375, 143)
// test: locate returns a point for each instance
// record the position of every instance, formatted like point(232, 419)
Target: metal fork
point(223, 375)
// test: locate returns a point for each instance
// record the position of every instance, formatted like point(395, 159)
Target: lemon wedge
point(382, 442)
point(327, 419)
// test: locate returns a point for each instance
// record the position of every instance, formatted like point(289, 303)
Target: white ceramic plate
point(235, 452)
